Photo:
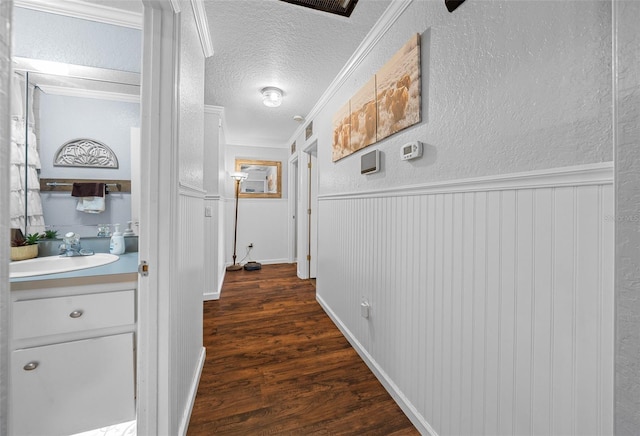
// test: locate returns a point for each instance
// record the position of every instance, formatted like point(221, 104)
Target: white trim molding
point(191, 191)
point(90, 93)
point(217, 110)
point(403, 402)
point(193, 390)
point(581, 175)
point(85, 11)
point(202, 24)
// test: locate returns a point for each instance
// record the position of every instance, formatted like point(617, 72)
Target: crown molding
point(89, 93)
point(85, 11)
point(202, 24)
point(382, 26)
point(217, 110)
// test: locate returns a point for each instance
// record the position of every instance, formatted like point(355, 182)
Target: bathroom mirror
point(54, 104)
point(264, 178)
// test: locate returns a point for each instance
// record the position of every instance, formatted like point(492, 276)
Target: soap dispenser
point(117, 241)
point(129, 231)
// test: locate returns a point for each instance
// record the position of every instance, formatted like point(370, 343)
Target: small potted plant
point(49, 234)
point(24, 248)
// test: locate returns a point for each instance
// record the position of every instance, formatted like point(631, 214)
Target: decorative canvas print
point(399, 90)
point(363, 116)
point(342, 133)
point(389, 102)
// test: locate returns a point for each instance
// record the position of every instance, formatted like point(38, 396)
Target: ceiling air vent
point(338, 7)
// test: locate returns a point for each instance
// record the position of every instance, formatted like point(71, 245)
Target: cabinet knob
point(30, 366)
point(76, 314)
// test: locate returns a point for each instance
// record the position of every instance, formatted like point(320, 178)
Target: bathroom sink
point(57, 264)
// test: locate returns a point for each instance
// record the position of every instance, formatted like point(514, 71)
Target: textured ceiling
point(261, 43)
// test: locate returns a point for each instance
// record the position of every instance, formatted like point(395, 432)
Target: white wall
point(261, 221)
point(506, 87)
point(214, 202)
point(64, 39)
point(185, 334)
point(52, 37)
point(64, 118)
point(627, 214)
point(492, 307)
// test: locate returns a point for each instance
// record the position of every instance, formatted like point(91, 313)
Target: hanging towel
point(90, 204)
point(91, 197)
point(88, 190)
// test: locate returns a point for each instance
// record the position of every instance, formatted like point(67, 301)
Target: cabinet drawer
point(50, 316)
point(71, 387)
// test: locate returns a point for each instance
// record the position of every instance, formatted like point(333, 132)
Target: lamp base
point(234, 267)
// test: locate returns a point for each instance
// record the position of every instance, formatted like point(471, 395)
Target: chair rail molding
point(580, 175)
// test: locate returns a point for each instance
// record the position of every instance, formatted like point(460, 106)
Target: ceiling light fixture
point(271, 96)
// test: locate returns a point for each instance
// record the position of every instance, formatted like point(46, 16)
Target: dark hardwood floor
point(276, 364)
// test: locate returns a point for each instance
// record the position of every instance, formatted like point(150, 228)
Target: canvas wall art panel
point(389, 102)
point(399, 90)
point(364, 120)
point(341, 132)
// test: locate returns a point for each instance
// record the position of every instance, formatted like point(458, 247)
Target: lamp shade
point(239, 176)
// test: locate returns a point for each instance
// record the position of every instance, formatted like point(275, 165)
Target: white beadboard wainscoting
point(187, 358)
point(491, 299)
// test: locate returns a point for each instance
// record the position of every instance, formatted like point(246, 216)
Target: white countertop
point(126, 264)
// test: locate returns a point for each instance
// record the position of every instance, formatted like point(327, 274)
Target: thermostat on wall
point(370, 162)
point(411, 150)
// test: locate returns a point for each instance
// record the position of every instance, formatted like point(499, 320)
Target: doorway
point(308, 202)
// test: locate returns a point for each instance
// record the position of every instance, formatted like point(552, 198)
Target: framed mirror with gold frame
point(264, 178)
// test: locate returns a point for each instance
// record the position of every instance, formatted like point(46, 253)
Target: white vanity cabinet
point(73, 354)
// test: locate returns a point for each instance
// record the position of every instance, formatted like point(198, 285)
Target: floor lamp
point(238, 177)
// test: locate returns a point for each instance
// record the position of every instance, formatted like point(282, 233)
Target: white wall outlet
point(208, 211)
point(364, 309)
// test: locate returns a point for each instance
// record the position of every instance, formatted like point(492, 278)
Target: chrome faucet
point(71, 246)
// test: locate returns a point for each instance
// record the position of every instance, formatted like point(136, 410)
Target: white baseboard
point(193, 390)
point(215, 295)
point(267, 261)
point(274, 261)
point(416, 419)
point(208, 296)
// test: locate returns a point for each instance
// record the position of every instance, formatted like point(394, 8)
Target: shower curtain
point(25, 162)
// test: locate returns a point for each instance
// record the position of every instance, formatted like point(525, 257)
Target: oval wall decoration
point(85, 152)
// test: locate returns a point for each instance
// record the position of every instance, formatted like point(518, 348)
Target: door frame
point(158, 210)
point(305, 243)
point(293, 207)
